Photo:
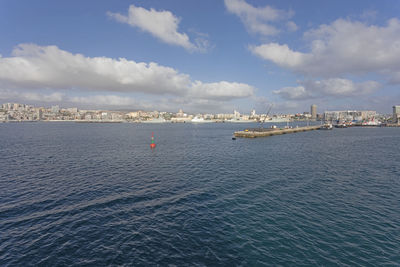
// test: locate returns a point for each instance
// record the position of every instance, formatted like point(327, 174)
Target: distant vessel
point(371, 123)
point(278, 120)
point(239, 120)
point(157, 120)
point(342, 124)
point(326, 127)
point(198, 119)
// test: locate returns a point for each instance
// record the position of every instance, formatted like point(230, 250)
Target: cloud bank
point(334, 87)
point(341, 48)
point(161, 24)
point(33, 67)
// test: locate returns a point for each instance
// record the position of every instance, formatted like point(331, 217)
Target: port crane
point(265, 117)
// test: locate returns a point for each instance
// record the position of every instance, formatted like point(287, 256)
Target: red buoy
point(152, 145)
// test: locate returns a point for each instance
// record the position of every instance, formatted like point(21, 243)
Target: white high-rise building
point(396, 114)
point(313, 112)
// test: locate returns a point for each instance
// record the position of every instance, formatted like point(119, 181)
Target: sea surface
point(97, 195)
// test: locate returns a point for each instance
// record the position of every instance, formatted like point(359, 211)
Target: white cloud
point(342, 87)
point(257, 20)
point(292, 27)
point(35, 66)
point(30, 96)
point(38, 67)
point(298, 93)
point(334, 87)
point(279, 54)
point(161, 24)
point(343, 47)
point(188, 104)
point(221, 90)
point(104, 100)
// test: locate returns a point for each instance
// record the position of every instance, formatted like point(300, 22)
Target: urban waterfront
point(96, 194)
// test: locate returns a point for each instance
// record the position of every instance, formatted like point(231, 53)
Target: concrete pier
point(391, 125)
point(263, 132)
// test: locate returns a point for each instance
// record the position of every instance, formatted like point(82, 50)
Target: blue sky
point(202, 56)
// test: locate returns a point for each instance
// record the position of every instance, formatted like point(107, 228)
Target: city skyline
point(17, 112)
point(214, 56)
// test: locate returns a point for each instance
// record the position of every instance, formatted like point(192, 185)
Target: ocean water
point(97, 195)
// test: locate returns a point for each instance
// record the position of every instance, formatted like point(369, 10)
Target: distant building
point(181, 114)
point(313, 112)
point(349, 115)
point(368, 114)
point(55, 109)
point(72, 110)
point(236, 114)
point(39, 114)
point(134, 114)
point(396, 114)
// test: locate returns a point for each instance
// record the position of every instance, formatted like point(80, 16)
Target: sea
point(95, 194)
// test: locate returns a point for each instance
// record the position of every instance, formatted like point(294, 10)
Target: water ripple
point(96, 195)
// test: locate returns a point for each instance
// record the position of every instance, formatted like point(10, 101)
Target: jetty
point(264, 132)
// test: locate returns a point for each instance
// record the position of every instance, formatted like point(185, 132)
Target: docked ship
point(239, 120)
point(278, 119)
point(326, 126)
point(156, 120)
point(371, 123)
point(198, 119)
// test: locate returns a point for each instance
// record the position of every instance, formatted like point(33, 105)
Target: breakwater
point(264, 132)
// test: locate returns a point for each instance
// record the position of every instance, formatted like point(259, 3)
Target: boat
point(327, 126)
point(156, 120)
point(240, 121)
point(278, 119)
point(341, 124)
point(198, 119)
point(371, 123)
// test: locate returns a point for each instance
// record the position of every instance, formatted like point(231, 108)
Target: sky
point(209, 56)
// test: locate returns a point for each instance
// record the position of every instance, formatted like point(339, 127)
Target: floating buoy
point(152, 145)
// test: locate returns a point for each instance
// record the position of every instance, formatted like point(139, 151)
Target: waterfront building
point(39, 114)
point(134, 114)
point(368, 114)
point(221, 116)
point(181, 114)
point(116, 116)
point(313, 112)
point(349, 115)
point(396, 114)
